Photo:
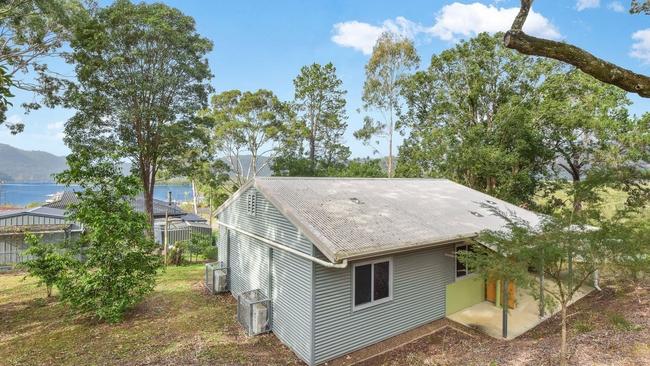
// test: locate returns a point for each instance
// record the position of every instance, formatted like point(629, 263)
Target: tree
point(120, 264)
point(360, 168)
point(585, 124)
point(31, 31)
point(564, 250)
point(600, 69)
point(392, 58)
point(142, 76)
point(44, 262)
point(470, 118)
point(315, 143)
point(247, 122)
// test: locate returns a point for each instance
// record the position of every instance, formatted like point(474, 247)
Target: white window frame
point(372, 283)
point(468, 273)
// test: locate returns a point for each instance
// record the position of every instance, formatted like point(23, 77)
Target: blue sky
point(263, 44)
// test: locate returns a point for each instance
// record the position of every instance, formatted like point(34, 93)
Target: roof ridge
point(350, 178)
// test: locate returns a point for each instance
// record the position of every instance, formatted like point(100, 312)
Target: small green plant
point(175, 255)
point(45, 262)
point(200, 245)
point(583, 326)
point(619, 322)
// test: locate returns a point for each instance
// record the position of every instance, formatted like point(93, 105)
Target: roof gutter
point(274, 244)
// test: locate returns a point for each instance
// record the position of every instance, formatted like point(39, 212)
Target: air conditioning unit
point(253, 309)
point(216, 277)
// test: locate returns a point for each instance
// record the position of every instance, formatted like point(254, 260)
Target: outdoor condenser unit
point(253, 309)
point(216, 277)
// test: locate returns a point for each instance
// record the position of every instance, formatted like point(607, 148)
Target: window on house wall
point(372, 282)
point(251, 203)
point(461, 268)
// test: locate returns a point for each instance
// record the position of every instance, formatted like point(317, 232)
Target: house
point(180, 224)
point(51, 222)
point(347, 263)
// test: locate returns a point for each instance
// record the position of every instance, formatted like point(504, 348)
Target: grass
point(583, 326)
point(620, 323)
point(179, 323)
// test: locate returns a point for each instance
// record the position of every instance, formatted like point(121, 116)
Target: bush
point(210, 253)
point(121, 265)
point(45, 263)
point(200, 244)
point(175, 255)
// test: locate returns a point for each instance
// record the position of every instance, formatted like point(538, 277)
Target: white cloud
point(616, 6)
point(362, 36)
point(641, 46)
point(466, 20)
point(454, 21)
point(587, 4)
point(56, 125)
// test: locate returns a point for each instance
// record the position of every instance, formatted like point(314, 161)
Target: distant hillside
point(18, 165)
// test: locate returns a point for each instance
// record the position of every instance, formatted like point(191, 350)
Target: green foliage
point(198, 244)
point(31, 31)
point(583, 326)
point(246, 122)
point(392, 58)
point(314, 142)
point(45, 262)
point(177, 253)
point(361, 168)
point(470, 117)
point(142, 76)
point(120, 265)
point(585, 125)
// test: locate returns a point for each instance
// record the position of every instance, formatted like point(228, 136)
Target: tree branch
point(600, 69)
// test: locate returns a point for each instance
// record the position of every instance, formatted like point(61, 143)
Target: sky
point(263, 44)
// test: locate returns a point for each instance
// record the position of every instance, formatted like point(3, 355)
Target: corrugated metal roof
point(63, 200)
point(353, 218)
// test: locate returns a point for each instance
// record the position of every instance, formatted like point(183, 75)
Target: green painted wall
point(464, 293)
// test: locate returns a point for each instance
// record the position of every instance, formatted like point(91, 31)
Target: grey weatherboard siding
point(291, 276)
point(419, 282)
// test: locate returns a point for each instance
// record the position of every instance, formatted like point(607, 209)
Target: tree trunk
point(563, 344)
point(390, 146)
point(148, 207)
point(194, 198)
point(312, 148)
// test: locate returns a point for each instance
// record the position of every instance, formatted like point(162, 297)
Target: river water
point(22, 194)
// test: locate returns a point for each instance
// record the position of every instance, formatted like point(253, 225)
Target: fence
point(12, 246)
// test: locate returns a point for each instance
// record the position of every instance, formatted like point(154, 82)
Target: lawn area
point(180, 323)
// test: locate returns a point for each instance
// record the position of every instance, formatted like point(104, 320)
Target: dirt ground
point(611, 327)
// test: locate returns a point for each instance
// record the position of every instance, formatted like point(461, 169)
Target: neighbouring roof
point(38, 211)
point(355, 218)
point(63, 200)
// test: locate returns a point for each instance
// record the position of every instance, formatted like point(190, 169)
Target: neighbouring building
point(347, 263)
point(50, 221)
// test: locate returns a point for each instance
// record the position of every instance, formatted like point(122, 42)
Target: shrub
point(45, 263)
point(121, 265)
point(175, 255)
point(199, 244)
